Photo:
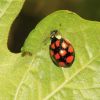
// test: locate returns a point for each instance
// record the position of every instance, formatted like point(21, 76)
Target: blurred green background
point(35, 10)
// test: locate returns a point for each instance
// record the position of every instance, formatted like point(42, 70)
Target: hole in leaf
point(21, 27)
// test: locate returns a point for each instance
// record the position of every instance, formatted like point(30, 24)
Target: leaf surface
point(9, 9)
point(36, 77)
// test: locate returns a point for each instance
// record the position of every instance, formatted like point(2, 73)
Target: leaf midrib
point(22, 80)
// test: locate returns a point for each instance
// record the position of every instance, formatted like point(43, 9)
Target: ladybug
point(61, 51)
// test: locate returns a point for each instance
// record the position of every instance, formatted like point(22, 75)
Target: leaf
point(81, 81)
point(9, 9)
point(36, 77)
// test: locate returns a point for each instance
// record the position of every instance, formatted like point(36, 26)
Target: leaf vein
point(66, 81)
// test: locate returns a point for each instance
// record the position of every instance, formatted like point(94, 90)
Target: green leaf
point(9, 9)
point(36, 77)
point(81, 81)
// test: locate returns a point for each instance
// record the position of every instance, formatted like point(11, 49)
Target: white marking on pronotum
point(58, 36)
